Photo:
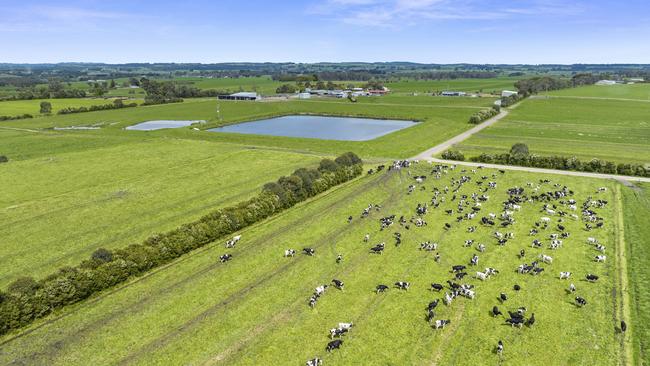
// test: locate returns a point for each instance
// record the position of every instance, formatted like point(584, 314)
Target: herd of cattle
point(557, 208)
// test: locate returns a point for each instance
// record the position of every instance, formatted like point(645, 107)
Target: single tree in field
point(118, 103)
point(112, 84)
point(519, 150)
point(46, 107)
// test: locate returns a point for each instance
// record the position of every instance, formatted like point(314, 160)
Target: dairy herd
point(557, 210)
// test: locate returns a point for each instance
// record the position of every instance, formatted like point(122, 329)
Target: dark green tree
point(46, 107)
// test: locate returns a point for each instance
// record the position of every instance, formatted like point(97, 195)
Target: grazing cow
point(600, 248)
point(457, 268)
point(349, 219)
point(225, 258)
point(338, 284)
point(430, 315)
point(600, 258)
point(337, 332)
point(312, 301)
point(432, 305)
point(537, 270)
point(503, 297)
point(545, 258)
point(378, 249)
point(289, 253)
point(515, 322)
point(545, 220)
point(366, 238)
point(474, 260)
point(335, 344)
point(381, 288)
point(531, 320)
point(440, 323)
point(448, 298)
point(436, 287)
point(469, 242)
point(339, 258)
point(314, 362)
point(572, 288)
point(591, 277)
point(309, 251)
point(496, 311)
point(320, 290)
point(481, 248)
point(580, 301)
point(522, 253)
point(565, 275)
point(591, 240)
point(481, 276)
point(516, 287)
point(346, 325)
point(500, 348)
point(402, 285)
point(623, 326)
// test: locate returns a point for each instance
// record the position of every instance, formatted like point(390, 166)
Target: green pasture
point(78, 192)
point(33, 107)
point(489, 85)
point(614, 130)
point(253, 310)
point(639, 91)
point(440, 119)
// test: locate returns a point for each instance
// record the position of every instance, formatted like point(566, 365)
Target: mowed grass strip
point(254, 308)
point(59, 209)
point(605, 129)
point(636, 203)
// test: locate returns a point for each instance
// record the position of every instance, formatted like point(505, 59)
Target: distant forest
point(29, 75)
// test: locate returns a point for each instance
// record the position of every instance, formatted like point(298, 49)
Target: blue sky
point(428, 31)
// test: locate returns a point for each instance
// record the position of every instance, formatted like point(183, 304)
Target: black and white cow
point(496, 311)
point(314, 362)
point(289, 253)
point(338, 284)
point(440, 323)
point(518, 322)
point(565, 275)
point(225, 258)
point(378, 249)
point(591, 277)
point(402, 285)
point(580, 301)
point(309, 251)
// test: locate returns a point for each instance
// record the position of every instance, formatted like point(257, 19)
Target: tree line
point(117, 104)
point(27, 299)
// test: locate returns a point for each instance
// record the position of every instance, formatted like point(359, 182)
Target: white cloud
point(396, 13)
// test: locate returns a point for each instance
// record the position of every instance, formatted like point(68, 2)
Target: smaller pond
point(159, 125)
point(320, 127)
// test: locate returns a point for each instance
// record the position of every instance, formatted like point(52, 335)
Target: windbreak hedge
point(565, 163)
point(27, 299)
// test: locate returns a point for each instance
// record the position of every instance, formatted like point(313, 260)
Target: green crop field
point(79, 192)
point(615, 130)
point(618, 91)
point(253, 309)
point(467, 85)
point(33, 107)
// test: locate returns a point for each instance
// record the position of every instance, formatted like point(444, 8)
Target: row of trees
point(546, 83)
point(117, 104)
point(519, 155)
point(27, 299)
point(483, 115)
point(21, 116)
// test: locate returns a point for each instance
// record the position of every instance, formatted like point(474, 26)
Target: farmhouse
point(241, 96)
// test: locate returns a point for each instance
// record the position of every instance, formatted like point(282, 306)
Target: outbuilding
point(240, 96)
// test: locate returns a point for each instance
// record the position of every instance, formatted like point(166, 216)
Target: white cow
point(565, 275)
point(600, 258)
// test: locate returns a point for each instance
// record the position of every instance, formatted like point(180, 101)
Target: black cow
point(309, 251)
point(496, 311)
point(531, 320)
point(623, 326)
point(335, 344)
point(225, 258)
point(381, 288)
point(432, 305)
point(591, 277)
point(503, 297)
point(430, 315)
point(457, 268)
point(338, 284)
point(436, 286)
point(517, 287)
point(515, 321)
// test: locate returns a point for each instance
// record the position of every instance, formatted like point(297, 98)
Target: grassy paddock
point(254, 308)
point(605, 129)
point(59, 207)
point(618, 91)
point(33, 107)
